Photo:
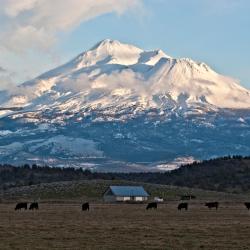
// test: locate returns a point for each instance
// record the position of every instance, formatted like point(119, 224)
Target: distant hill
point(227, 174)
point(92, 191)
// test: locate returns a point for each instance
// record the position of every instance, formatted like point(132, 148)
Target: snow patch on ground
point(68, 145)
point(57, 145)
point(242, 120)
point(12, 148)
point(178, 162)
point(5, 132)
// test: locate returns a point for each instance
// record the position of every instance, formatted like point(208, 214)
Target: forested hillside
point(228, 174)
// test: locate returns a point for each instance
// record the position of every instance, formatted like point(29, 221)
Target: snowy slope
point(117, 107)
point(119, 75)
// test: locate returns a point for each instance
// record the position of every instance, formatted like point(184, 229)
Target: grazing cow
point(247, 204)
point(85, 206)
point(21, 205)
point(152, 205)
point(33, 206)
point(212, 205)
point(183, 206)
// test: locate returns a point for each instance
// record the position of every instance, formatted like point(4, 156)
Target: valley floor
point(123, 226)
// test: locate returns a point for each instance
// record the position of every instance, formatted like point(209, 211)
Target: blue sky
point(214, 31)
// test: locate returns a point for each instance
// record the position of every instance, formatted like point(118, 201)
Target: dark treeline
point(230, 174)
point(26, 175)
point(226, 174)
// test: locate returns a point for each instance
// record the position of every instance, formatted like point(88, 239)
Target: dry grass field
point(123, 226)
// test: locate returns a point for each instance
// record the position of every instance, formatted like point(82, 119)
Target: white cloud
point(2, 70)
point(35, 24)
point(13, 7)
point(125, 79)
point(27, 37)
point(6, 79)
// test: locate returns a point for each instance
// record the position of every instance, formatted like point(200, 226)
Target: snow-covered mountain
point(118, 92)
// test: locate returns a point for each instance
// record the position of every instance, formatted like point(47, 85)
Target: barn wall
point(138, 199)
point(109, 198)
point(120, 198)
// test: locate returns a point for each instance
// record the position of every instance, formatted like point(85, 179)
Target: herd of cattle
point(24, 205)
point(152, 205)
point(184, 205)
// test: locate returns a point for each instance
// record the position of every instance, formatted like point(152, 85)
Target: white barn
point(125, 193)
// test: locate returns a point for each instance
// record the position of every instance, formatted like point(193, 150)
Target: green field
point(60, 223)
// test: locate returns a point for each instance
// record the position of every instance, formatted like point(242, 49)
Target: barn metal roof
point(129, 191)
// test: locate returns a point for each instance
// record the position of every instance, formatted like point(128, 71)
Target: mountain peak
point(115, 48)
point(127, 74)
point(110, 52)
point(99, 107)
point(106, 43)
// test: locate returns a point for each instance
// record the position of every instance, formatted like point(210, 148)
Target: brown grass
point(65, 226)
point(92, 190)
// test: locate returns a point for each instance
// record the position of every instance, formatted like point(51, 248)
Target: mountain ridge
point(151, 71)
point(117, 106)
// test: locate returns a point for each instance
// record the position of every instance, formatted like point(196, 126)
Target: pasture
point(124, 226)
point(60, 223)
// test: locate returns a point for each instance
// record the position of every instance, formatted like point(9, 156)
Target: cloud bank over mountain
point(36, 23)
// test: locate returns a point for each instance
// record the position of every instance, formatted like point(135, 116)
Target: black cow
point(151, 205)
point(212, 205)
point(85, 206)
point(183, 206)
point(247, 204)
point(33, 206)
point(21, 205)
